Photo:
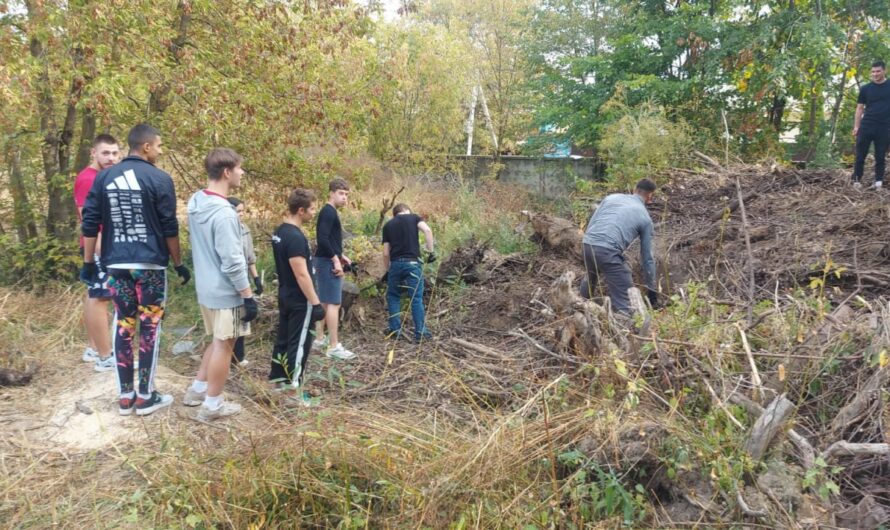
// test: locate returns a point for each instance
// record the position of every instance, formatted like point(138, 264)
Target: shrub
point(34, 263)
point(642, 142)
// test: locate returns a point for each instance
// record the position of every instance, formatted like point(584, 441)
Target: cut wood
point(861, 402)
point(556, 232)
point(768, 426)
point(843, 448)
point(733, 206)
point(807, 453)
point(479, 348)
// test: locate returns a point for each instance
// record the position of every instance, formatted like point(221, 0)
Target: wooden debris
point(768, 426)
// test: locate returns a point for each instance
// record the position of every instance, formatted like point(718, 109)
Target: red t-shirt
point(82, 185)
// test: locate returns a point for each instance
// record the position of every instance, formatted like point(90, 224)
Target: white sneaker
point(90, 355)
point(244, 363)
point(193, 398)
point(876, 186)
point(857, 186)
point(105, 365)
point(320, 345)
point(224, 410)
point(339, 352)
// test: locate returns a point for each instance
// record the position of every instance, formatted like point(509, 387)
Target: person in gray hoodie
point(224, 293)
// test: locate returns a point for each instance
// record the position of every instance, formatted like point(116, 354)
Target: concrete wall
point(550, 177)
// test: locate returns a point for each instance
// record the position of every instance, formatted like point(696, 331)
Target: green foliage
point(599, 494)
point(425, 77)
point(474, 219)
point(770, 68)
point(34, 263)
point(642, 142)
point(818, 477)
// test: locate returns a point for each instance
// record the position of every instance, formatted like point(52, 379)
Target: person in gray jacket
point(250, 256)
point(224, 293)
point(619, 220)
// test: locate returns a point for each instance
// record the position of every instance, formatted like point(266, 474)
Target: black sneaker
point(423, 337)
point(144, 407)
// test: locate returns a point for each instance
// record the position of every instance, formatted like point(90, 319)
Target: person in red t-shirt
point(104, 154)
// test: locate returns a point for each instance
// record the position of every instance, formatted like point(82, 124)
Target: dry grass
point(441, 435)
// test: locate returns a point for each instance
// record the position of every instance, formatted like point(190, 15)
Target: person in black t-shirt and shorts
point(330, 264)
point(872, 125)
point(401, 256)
point(298, 304)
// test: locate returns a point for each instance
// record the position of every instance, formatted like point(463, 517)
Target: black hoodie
point(135, 204)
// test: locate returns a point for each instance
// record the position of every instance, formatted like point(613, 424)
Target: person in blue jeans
point(401, 256)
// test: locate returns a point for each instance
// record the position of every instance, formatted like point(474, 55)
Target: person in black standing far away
point(872, 124)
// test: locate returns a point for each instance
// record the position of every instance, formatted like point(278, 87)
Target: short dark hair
point(399, 208)
point(645, 185)
point(141, 134)
point(878, 64)
point(220, 159)
point(338, 184)
point(105, 139)
point(300, 198)
point(235, 201)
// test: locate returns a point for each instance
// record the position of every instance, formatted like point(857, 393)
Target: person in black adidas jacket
point(134, 203)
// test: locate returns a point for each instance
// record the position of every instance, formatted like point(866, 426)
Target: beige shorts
point(224, 324)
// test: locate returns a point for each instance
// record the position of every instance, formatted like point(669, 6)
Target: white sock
point(213, 402)
point(128, 395)
point(199, 386)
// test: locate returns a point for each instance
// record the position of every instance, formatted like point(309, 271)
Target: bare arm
point(172, 247)
point(252, 269)
point(428, 240)
point(860, 110)
point(89, 249)
point(301, 273)
point(386, 256)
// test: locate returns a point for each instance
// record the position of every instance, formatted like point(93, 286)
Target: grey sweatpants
point(610, 264)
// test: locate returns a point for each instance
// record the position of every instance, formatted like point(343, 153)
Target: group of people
point(130, 233)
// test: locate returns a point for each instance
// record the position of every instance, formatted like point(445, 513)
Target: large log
point(556, 232)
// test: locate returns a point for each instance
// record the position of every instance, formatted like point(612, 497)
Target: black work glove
point(317, 313)
point(251, 311)
point(653, 298)
point(183, 273)
point(89, 273)
point(259, 285)
point(430, 257)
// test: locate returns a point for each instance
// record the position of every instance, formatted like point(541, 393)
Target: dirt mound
point(798, 224)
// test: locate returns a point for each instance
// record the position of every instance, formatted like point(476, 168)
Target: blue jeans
point(408, 277)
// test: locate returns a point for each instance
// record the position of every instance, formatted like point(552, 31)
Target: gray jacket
point(617, 222)
point(247, 244)
point(215, 236)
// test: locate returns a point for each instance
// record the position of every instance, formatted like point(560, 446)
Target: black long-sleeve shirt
point(329, 233)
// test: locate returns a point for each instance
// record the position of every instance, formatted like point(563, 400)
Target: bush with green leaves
point(34, 263)
point(641, 142)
